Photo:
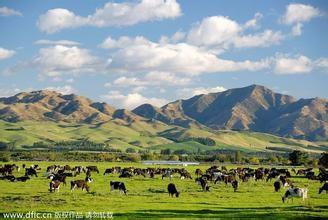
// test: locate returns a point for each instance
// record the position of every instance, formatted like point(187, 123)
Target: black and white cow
point(203, 184)
point(118, 186)
point(295, 192)
point(324, 187)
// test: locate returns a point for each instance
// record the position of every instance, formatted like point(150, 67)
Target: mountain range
point(252, 108)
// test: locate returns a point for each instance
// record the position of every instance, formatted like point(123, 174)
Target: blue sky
point(131, 52)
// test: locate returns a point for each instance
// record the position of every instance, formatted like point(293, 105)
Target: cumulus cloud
point(189, 92)
point(296, 14)
point(65, 90)
point(292, 65)
point(112, 14)
point(131, 100)
point(263, 39)
point(57, 42)
point(254, 22)
point(141, 55)
point(6, 12)
point(221, 33)
point(56, 60)
point(4, 53)
point(215, 30)
point(297, 29)
point(322, 64)
point(151, 79)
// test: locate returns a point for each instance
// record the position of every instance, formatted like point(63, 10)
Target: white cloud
point(165, 78)
point(254, 22)
point(56, 60)
point(215, 30)
point(65, 90)
point(112, 14)
point(322, 63)
point(6, 12)
point(4, 53)
point(57, 42)
point(296, 13)
point(128, 81)
point(189, 92)
point(219, 33)
point(292, 65)
point(264, 39)
point(132, 100)
point(141, 55)
point(297, 29)
point(150, 79)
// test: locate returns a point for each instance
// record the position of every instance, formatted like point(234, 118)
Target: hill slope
point(254, 108)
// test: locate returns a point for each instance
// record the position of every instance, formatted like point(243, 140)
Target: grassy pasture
point(148, 198)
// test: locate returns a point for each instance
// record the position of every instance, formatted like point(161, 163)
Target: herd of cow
point(58, 174)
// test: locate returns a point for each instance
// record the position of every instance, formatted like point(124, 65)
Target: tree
point(130, 150)
point(254, 160)
point(298, 157)
point(273, 159)
point(237, 156)
point(166, 151)
point(323, 161)
point(174, 157)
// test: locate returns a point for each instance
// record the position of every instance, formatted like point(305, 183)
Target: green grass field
point(148, 198)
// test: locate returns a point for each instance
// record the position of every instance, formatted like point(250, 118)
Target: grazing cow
point(324, 187)
point(229, 179)
point(92, 168)
point(203, 184)
point(295, 192)
point(277, 186)
point(108, 171)
point(54, 186)
point(172, 190)
point(81, 184)
point(8, 169)
point(235, 185)
point(125, 174)
point(185, 175)
point(30, 172)
point(21, 179)
point(198, 172)
point(117, 185)
point(168, 173)
point(58, 177)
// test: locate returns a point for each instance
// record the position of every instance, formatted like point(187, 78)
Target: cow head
point(88, 179)
point(177, 194)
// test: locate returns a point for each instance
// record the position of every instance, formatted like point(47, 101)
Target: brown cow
point(81, 184)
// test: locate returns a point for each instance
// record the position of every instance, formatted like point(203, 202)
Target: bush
point(174, 157)
point(298, 157)
point(323, 161)
point(254, 160)
point(5, 156)
point(166, 151)
point(130, 150)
